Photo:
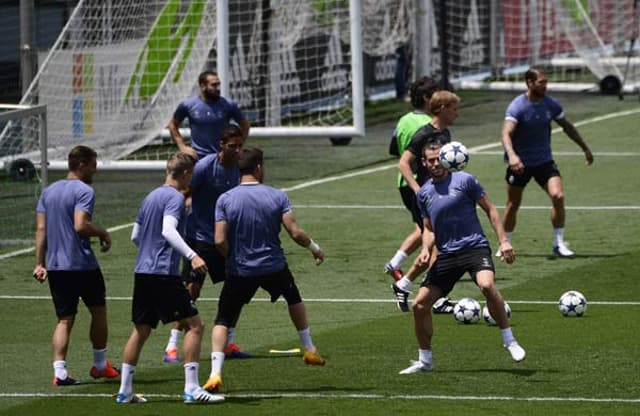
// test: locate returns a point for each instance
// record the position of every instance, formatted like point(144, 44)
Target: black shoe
point(443, 305)
point(403, 298)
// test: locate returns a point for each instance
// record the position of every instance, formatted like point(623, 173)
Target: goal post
point(119, 68)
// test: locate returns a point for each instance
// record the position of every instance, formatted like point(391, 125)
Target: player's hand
point(515, 164)
point(508, 255)
point(190, 151)
point(105, 242)
point(588, 156)
point(319, 256)
point(424, 257)
point(198, 265)
point(40, 274)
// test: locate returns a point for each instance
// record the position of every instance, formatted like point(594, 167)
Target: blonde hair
point(442, 99)
point(178, 163)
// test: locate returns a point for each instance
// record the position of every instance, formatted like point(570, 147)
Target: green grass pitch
point(586, 366)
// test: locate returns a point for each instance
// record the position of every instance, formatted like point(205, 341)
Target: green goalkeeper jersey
point(405, 129)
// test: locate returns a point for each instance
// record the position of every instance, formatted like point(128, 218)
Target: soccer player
point(420, 93)
point(248, 222)
point(208, 113)
point(526, 138)
point(213, 175)
point(448, 202)
point(63, 235)
point(444, 107)
point(158, 293)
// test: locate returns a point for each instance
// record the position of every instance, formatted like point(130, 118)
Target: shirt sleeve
point(85, 200)
point(181, 112)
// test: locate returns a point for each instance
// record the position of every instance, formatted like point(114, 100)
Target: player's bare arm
point(404, 165)
point(574, 135)
point(174, 130)
point(301, 238)
point(515, 163)
point(40, 271)
point(85, 228)
point(508, 255)
point(428, 242)
point(220, 237)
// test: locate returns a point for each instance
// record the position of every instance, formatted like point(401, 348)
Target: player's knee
point(557, 197)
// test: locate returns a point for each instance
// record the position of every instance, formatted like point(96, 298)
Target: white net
point(578, 41)
point(120, 67)
point(112, 79)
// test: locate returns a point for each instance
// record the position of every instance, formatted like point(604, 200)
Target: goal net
point(120, 67)
point(579, 42)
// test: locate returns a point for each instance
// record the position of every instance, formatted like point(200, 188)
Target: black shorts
point(541, 174)
point(68, 286)
point(213, 260)
point(160, 298)
point(450, 267)
point(238, 291)
point(411, 203)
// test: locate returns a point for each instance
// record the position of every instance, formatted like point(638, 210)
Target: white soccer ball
point(454, 156)
point(467, 311)
point(488, 319)
point(572, 303)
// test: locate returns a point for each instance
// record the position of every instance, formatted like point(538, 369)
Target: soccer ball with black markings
point(488, 319)
point(467, 311)
point(572, 304)
point(454, 156)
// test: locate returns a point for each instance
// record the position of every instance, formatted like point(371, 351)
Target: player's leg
point(65, 298)
point(217, 273)
point(412, 241)
point(495, 302)
point(423, 328)
point(236, 292)
point(552, 184)
point(193, 393)
point(94, 296)
point(130, 357)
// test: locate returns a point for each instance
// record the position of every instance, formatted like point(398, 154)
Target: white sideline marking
point(331, 300)
point(533, 207)
point(371, 170)
point(360, 396)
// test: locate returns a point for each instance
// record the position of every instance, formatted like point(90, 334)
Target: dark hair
point(423, 87)
point(80, 154)
point(229, 131)
point(180, 162)
point(533, 73)
point(249, 159)
point(202, 78)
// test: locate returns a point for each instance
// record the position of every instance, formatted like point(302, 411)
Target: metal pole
point(357, 68)
point(423, 42)
point(27, 44)
point(444, 44)
point(222, 56)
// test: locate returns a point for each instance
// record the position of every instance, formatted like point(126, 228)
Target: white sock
point(231, 334)
point(191, 382)
point(174, 338)
point(305, 339)
point(424, 356)
point(398, 258)
point(126, 379)
point(60, 369)
point(100, 359)
point(404, 284)
point(507, 336)
point(558, 234)
point(217, 359)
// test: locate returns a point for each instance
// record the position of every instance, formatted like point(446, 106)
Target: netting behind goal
point(119, 68)
point(579, 42)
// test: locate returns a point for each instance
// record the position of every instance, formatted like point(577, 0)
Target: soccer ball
point(489, 319)
point(572, 303)
point(467, 311)
point(454, 156)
